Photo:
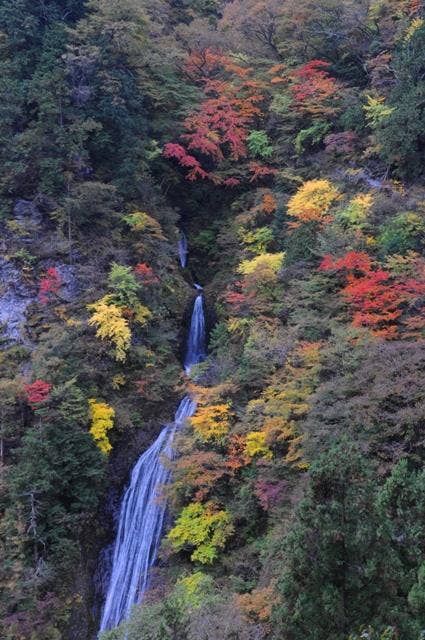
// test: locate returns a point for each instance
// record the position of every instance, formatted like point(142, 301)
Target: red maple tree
point(145, 273)
point(37, 392)
point(314, 90)
point(49, 285)
point(215, 134)
point(378, 299)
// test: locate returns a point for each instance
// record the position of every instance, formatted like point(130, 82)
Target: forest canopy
point(286, 140)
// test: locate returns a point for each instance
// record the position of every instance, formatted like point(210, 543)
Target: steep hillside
point(286, 140)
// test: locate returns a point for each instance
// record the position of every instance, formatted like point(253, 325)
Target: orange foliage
point(312, 201)
point(269, 203)
point(314, 90)
point(146, 273)
point(239, 301)
point(219, 128)
point(200, 471)
point(258, 170)
point(211, 422)
point(236, 458)
point(276, 68)
point(378, 299)
point(258, 604)
point(415, 6)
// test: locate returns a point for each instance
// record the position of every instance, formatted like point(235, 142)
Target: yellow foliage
point(363, 202)
point(72, 322)
point(257, 240)
point(141, 221)
point(267, 263)
point(141, 314)
point(284, 402)
point(118, 381)
point(260, 274)
point(312, 201)
point(204, 527)
point(398, 186)
point(208, 395)
point(239, 326)
point(357, 210)
point(417, 23)
point(376, 111)
point(193, 588)
point(211, 422)
point(101, 415)
point(260, 284)
point(111, 325)
point(255, 445)
point(371, 241)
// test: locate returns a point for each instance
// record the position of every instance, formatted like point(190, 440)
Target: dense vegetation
point(287, 139)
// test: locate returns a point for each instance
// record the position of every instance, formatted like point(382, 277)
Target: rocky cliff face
point(15, 297)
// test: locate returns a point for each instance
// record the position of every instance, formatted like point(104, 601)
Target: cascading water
point(141, 515)
point(140, 525)
point(196, 341)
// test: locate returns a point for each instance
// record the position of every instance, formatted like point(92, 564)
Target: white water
point(142, 515)
point(196, 340)
point(183, 250)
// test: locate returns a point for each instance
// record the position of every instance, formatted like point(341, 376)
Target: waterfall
point(183, 250)
point(140, 525)
point(141, 514)
point(195, 352)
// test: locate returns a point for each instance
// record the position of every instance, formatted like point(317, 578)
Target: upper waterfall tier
point(183, 250)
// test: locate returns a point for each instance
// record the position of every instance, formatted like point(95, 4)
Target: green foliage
point(401, 133)
point(352, 582)
point(193, 588)
point(312, 136)
point(301, 243)
point(124, 286)
point(259, 144)
point(402, 234)
point(203, 527)
point(58, 481)
point(91, 94)
point(353, 118)
point(258, 240)
point(377, 112)
point(195, 608)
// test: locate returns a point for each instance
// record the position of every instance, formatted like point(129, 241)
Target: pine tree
point(339, 569)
